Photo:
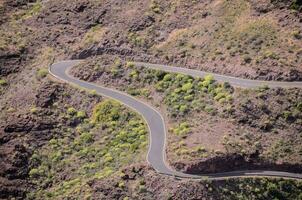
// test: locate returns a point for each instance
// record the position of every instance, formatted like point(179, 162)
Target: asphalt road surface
point(156, 154)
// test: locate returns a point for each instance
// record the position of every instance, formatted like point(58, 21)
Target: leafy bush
point(208, 80)
point(136, 40)
point(92, 93)
point(42, 73)
point(71, 111)
point(34, 172)
point(130, 64)
point(3, 82)
point(182, 130)
point(247, 59)
point(155, 6)
point(106, 111)
point(34, 110)
point(81, 115)
point(142, 189)
point(297, 35)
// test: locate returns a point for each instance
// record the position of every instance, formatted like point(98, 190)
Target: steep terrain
point(256, 39)
point(212, 127)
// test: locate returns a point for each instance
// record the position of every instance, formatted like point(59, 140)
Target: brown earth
point(34, 34)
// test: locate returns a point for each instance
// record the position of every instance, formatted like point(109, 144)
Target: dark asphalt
point(156, 154)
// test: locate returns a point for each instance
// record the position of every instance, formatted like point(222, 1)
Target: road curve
point(156, 155)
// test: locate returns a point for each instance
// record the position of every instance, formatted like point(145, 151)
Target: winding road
point(156, 154)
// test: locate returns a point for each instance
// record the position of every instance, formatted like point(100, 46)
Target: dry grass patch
point(94, 35)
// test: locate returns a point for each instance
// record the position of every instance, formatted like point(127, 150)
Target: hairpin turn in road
point(157, 130)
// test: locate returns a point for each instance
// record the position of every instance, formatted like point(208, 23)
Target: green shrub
point(114, 71)
point(182, 130)
point(297, 35)
point(130, 64)
point(121, 185)
point(208, 80)
point(189, 97)
point(56, 156)
point(81, 114)
point(209, 109)
point(34, 110)
point(142, 189)
point(135, 39)
point(262, 88)
point(168, 77)
point(287, 115)
point(42, 73)
point(145, 92)
point(33, 173)
point(270, 54)
point(34, 10)
point(183, 108)
point(71, 111)
point(92, 93)
point(86, 138)
point(3, 82)
point(186, 87)
point(247, 59)
point(155, 6)
point(160, 86)
point(134, 74)
point(106, 111)
point(200, 149)
point(299, 106)
point(133, 91)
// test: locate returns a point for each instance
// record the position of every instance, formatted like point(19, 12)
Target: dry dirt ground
point(195, 34)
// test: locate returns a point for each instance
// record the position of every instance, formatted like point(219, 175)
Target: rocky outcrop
point(9, 63)
point(11, 189)
point(47, 95)
point(102, 49)
point(140, 24)
point(233, 162)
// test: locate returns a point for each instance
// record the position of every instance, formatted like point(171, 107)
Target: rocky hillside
point(212, 127)
point(257, 39)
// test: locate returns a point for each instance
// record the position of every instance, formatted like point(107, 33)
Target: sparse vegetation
point(242, 38)
point(297, 34)
point(30, 10)
point(42, 73)
point(155, 6)
point(101, 145)
point(260, 188)
point(93, 35)
point(136, 40)
point(296, 5)
point(3, 83)
point(34, 110)
point(182, 130)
